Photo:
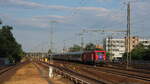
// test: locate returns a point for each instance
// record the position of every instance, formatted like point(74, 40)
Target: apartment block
point(117, 46)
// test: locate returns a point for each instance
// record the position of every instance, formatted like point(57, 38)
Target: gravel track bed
point(104, 73)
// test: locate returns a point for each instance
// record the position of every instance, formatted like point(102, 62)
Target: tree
point(108, 54)
point(49, 51)
point(8, 45)
point(75, 48)
point(0, 21)
point(137, 52)
point(146, 54)
point(90, 46)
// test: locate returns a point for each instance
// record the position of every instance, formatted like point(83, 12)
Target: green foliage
point(0, 21)
point(90, 46)
point(139, 53)
point(146, 55)
point(49, 51)
point(125, 56)
point(108, 54)
point(8, 46)
point(75, 48)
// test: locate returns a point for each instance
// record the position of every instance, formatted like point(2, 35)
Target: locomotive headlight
point(100, 57)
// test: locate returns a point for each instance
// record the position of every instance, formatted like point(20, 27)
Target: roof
point(80, 52)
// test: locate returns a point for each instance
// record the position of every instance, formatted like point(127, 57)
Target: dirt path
point(27, 75)
point(57, 79)
point(31, 73)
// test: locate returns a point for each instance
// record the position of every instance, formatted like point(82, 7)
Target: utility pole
point(64, 48)
point(51, 39)
point(51, 36)
point(128, 35)
point(82, 40)
point(111, 47)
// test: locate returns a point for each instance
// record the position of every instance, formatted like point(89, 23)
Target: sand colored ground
point(55, 80)
point(31, 73)
point(28, 74)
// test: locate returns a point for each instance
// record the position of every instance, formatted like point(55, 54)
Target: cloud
point(32, 22)
point(92, 9)
point(103, 0)
point(101, 16)
point(50, 16)
point(38, 21)
point(29, 4)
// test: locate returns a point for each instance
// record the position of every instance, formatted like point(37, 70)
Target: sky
point(33, 20)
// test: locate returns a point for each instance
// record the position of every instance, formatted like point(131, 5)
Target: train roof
point(70, 53)
point(79, 52)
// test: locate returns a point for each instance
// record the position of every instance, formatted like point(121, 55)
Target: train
point(85, 57)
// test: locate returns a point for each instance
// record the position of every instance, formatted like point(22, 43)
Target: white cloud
point(92, 9)
point(103, 0)
point(38, 21)
point(50, 16)
point(32, 22)
point(28, 4)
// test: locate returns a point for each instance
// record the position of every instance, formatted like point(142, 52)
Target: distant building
point(117, 47)
point(145, 42)
point(4, 61)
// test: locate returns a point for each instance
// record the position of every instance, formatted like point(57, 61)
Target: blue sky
point(31, 20)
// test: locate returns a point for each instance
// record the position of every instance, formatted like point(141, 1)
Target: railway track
point(7, 73)
point(7, 68)
point(79, 75)
point(132, 74)
point(123, 67)
point(2, 67)
point(139, 71)
point(138, 76)
point(142, 71)
point(3, 70)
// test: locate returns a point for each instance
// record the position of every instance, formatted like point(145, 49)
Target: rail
point(3, 70)
point(74, 76)
point(76, 80)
